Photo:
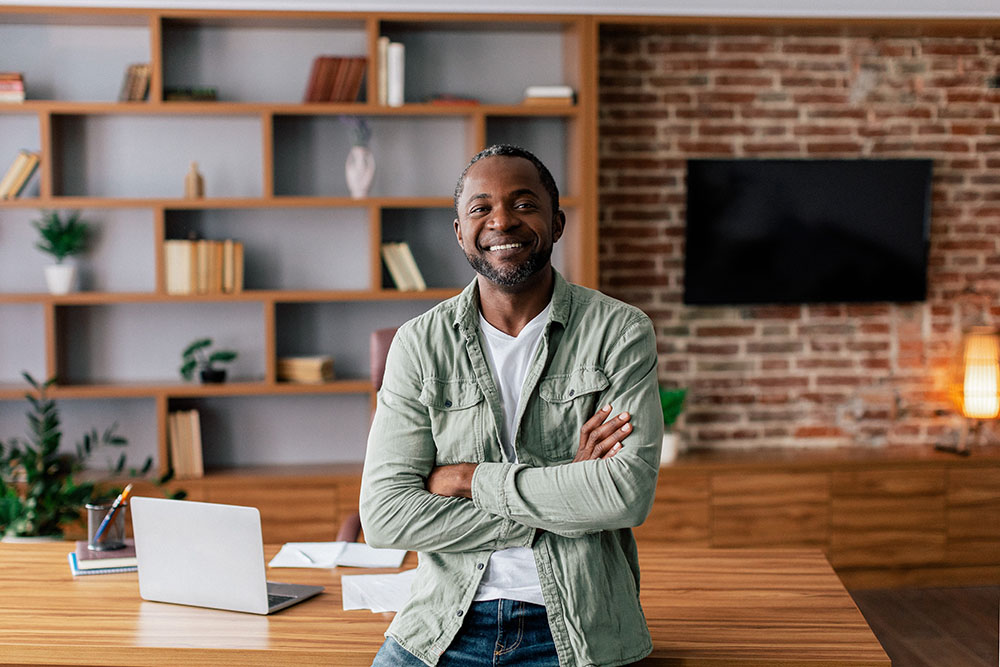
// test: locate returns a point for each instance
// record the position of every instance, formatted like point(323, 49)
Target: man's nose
point(503, 218)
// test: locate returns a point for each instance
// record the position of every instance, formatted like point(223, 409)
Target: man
point(496, 454)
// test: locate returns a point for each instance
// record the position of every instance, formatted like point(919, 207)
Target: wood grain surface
point(705, 607)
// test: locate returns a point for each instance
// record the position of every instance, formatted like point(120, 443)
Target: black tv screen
point(806, 231)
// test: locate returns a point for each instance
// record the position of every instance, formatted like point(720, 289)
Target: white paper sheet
point(378, 592)
point(332, 554)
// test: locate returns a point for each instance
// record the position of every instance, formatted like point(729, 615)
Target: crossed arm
point(408, 501)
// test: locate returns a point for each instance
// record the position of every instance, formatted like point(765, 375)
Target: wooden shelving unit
point(274, 179)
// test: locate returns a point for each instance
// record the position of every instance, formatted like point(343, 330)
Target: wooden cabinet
point(888, 517)
point(274, 179)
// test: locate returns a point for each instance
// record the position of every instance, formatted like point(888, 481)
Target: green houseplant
point(199, 356)
point(39, 492)
point(61, 238)
point(672, 403)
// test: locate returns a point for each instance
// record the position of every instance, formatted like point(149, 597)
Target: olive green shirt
point(439, 405)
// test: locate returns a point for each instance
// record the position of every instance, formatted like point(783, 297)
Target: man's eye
point(526, 204)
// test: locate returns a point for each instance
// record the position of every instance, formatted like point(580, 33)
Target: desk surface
point(704, 607)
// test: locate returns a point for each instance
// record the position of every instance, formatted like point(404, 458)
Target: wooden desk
point(705, 607)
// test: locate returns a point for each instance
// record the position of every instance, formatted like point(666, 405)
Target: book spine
point(381, 63)
point(395, 74)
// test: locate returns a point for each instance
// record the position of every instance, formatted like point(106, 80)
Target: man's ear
point(558, 225)
point(458, 233)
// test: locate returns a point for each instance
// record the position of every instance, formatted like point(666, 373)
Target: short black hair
point(509, 150)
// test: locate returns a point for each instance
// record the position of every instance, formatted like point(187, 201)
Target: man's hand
point(452, 481)
point(601, 437)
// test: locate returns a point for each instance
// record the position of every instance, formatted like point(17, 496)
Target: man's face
point(506, 225)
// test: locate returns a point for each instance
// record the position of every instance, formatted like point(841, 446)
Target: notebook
point(206, 555)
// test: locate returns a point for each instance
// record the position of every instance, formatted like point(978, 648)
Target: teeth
point(506, 246)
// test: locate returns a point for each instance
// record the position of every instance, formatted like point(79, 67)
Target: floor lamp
point(980, 385)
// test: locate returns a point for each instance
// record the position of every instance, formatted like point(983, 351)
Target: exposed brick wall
point(811, 375)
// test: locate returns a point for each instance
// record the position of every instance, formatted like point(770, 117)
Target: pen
point(122, 497)
point(305, 555)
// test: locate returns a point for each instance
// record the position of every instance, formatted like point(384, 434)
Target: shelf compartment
point(137, 343)
point(108, 266)
point(135, 417)
point(135, 156)
point(300, 249)
point(431, 237)
point(22, 345)
point(342, 330)
point(47, 52)
point(310, 152)
point(546, 137)
point(280, 430)
point(226, 54)
point(491, 62)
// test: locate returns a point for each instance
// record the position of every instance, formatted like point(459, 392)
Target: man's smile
point(505, 246)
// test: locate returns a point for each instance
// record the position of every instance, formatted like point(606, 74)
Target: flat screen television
point(765, 231)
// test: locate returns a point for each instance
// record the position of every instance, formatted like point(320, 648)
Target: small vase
point(60, 278)
point(360, 170)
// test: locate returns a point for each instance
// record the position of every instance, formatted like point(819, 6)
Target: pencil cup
point(113, 536)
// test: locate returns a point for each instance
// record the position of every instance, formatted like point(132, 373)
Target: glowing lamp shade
point(981, 384)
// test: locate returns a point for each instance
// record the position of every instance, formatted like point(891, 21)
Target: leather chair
point(380, 340)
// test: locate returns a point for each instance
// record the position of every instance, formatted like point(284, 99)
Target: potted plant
point(39, 492)
point(61, 238)
point(672, 403)
point(198, 356)
point(360, 166)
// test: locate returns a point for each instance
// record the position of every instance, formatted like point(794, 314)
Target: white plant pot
point(61, 278)
point(668, 452)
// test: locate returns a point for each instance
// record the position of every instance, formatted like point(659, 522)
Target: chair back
point(380, 341)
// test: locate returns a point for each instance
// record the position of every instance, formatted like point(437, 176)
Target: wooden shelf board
point(218, 203)
point(178, 389)
point(145, 108)
point(262, 296)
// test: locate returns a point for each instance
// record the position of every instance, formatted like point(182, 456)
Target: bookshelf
point(274, 179)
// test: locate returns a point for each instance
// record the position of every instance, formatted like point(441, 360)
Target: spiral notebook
point(77, 572)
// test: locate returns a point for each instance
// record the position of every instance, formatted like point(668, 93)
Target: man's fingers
point(600, 434)
point(612, 438)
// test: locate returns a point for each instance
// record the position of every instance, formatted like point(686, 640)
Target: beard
point(510, 276)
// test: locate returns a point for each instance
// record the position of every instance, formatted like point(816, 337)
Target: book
point(306, 369)
point(135, 85)
point(549, 91)
point(179, 265)
point(74, 567)
point(24, 174)
point(381, 74)
point(12, 172)
point(402, 267)
point(395, 65)
point(88, 559)
point(11, 87)
point(415, 278)
point(184, 435)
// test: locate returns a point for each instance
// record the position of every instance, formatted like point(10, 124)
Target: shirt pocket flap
point(563, 388)
point(449, 396)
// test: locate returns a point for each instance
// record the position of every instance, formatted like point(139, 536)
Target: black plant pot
point(213, 375)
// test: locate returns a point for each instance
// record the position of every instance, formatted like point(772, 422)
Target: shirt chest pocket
point(456, 410)
point(567, 402)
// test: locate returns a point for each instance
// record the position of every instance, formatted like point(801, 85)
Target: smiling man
point(515, 443)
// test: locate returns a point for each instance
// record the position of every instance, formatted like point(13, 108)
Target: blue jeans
point(494, 633)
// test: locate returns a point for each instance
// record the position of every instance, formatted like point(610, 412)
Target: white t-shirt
point(511, 573)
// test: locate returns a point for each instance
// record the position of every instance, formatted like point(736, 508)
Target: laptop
point(206, 555)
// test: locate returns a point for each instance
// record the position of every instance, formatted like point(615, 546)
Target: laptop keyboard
point(273, 599)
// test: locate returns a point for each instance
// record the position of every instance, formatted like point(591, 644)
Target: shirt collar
point(467, 307)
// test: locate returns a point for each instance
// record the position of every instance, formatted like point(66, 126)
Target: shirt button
point(479, 566)
point(447, 404)
point(460, 613)
point(572, 391)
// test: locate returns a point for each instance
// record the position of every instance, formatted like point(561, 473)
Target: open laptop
point(206, 555)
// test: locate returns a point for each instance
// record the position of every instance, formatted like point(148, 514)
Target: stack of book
point(549, 95)
point(135, 86)
point(335, 78)
point(11, 87)
point(312, 370)
point(184, 436)
point(18, 174)
point(389, 70)
point(203, 267)
point(402, 267)
point(86, 561)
